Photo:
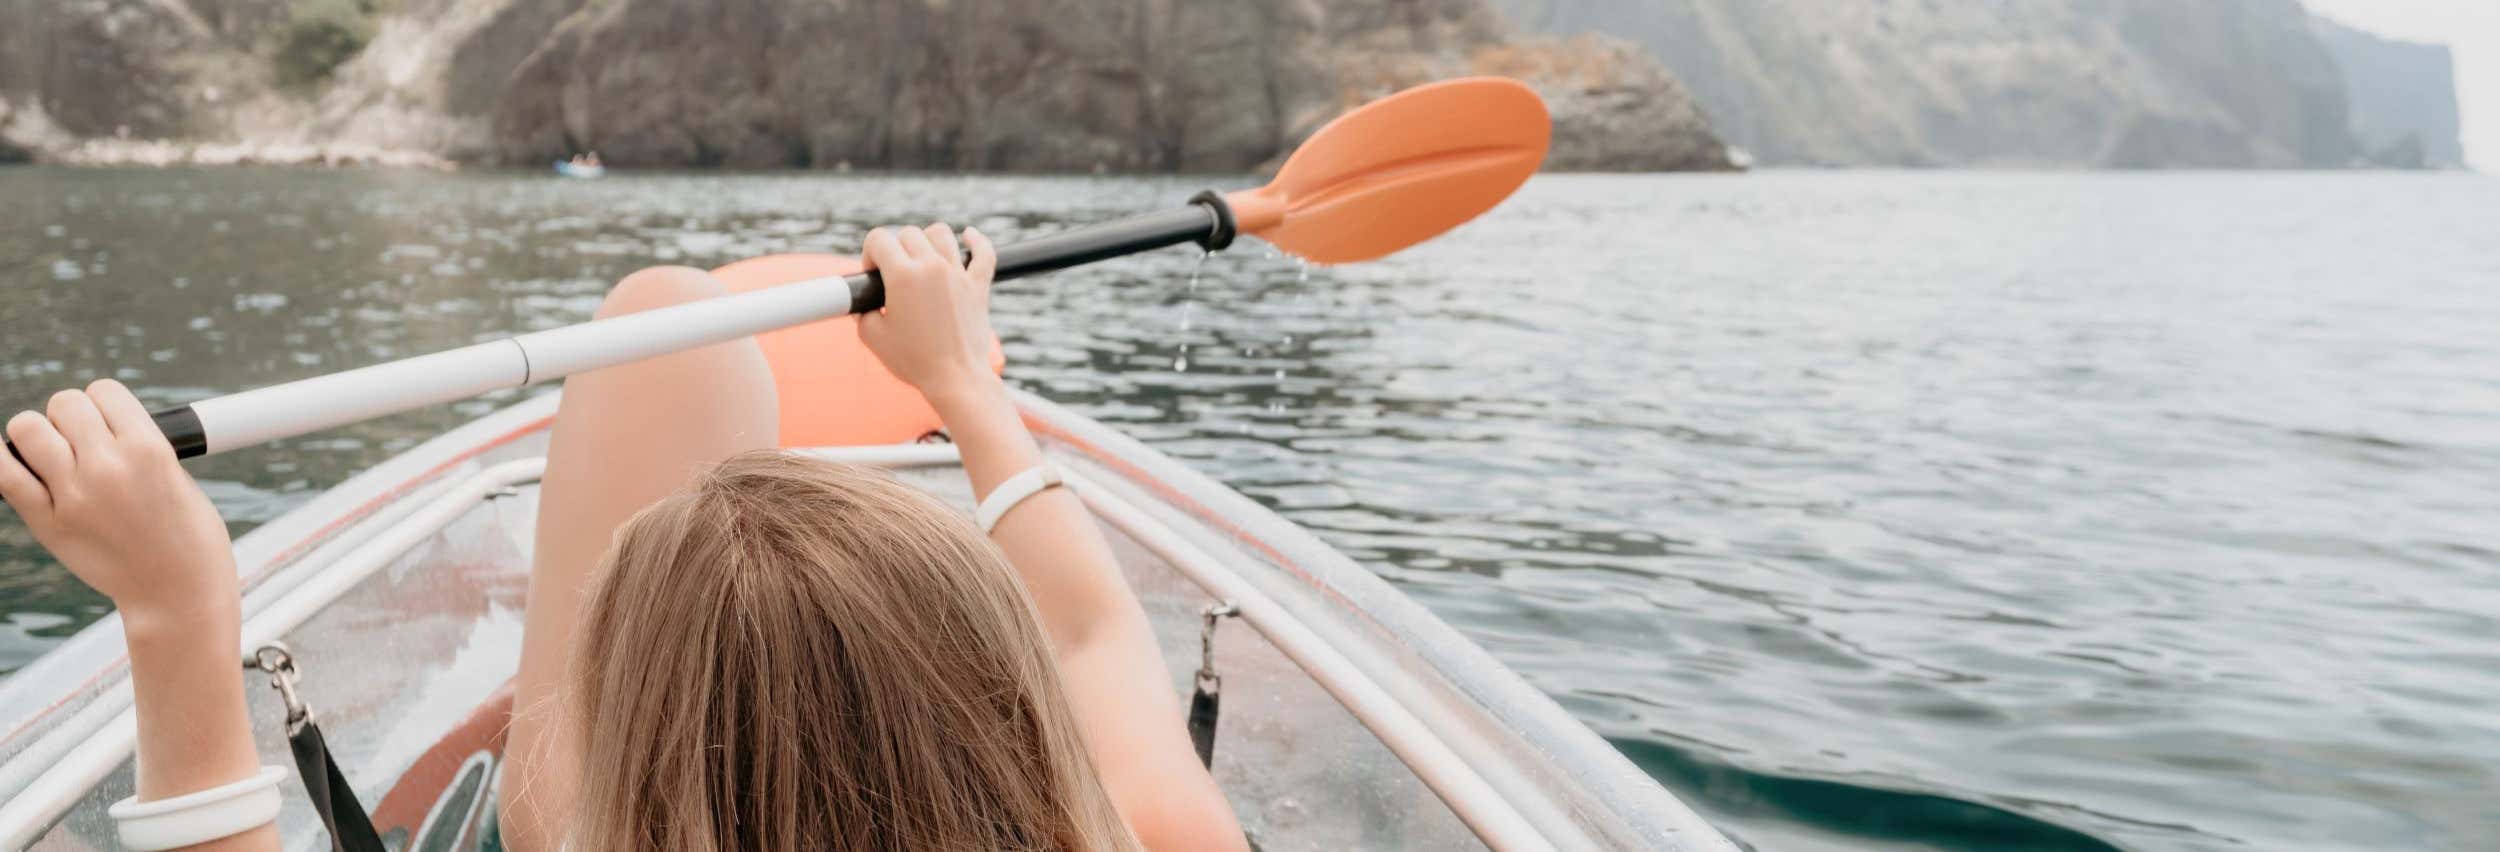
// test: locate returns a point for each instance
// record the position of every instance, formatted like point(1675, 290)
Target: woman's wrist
point(987, 429)
point(216, 617)
point(187, 680)
point(214, 610)
point(970, 395)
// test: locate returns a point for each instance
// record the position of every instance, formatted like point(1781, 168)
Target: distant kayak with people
point(582, 166)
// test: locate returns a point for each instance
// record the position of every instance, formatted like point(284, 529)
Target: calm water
point(1945, 511)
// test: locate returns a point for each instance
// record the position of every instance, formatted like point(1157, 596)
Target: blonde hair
point(794, 654)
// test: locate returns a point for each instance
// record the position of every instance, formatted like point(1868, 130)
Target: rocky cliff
point(222, 81)
point(2048, 83)
point(1044, 85)
point(2404, 98)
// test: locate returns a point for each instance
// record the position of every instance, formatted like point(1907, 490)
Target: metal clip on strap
point(350, 829)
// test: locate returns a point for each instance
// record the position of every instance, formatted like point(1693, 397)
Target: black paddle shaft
point(1207, 221)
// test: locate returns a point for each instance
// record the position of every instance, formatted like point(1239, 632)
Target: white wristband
point(1034, 480)
point(195, 818)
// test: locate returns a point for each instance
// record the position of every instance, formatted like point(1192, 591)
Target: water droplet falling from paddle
point(1180, 362)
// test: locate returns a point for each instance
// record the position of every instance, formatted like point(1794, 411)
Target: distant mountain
point(1029, 85)
point(2045, 83)
point(2404, 97)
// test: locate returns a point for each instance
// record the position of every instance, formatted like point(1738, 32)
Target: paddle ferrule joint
point(1221, 236)
point(867, 291)
point(183, 430)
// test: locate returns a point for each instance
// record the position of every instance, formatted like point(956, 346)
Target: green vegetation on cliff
point(318, 36)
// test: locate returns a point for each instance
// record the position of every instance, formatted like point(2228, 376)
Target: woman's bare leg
point(624, 437)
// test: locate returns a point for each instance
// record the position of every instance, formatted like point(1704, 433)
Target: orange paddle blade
point(1400, 170)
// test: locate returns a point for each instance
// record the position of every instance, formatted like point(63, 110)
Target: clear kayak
point(1352, 718)
point(580, 170)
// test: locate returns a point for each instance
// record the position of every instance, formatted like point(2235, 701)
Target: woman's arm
point(935, 334)
point(1116, 679)
point(116, 509)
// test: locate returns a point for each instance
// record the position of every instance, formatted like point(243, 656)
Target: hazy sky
point(2471, 28)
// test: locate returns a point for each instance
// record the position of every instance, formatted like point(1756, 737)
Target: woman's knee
point(659, 287)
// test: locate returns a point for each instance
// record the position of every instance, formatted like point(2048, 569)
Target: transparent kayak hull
point(1352, 719)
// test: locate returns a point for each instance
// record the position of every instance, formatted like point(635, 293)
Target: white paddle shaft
point(323, 402)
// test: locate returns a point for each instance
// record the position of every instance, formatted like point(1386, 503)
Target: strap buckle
point(1208, 680)
point(278, 661)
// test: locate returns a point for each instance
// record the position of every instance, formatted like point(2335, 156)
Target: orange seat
point(834, 392)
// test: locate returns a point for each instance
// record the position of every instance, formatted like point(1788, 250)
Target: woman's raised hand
point(106, 496)
point(934, 332)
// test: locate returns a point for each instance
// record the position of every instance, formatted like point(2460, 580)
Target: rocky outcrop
point(2043, 83)
point(160, 82)
point(106, 68)
point(1029, 85)
point(2404, 98)
point(23, 130)
point(1043, 85)
point(1614, 108)
point(44, 54)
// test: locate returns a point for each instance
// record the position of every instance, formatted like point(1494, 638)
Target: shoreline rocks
point(978, 85)
point(162, 153)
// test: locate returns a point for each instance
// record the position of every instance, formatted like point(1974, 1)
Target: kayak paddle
point(1390, 174)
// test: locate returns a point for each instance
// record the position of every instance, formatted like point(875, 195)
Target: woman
point(726, 648)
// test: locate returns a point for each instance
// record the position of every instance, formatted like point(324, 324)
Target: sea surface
point(1864, 510)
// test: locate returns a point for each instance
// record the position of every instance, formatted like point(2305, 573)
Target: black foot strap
point(1205, 703)
point(350, 829)
point(344, 817)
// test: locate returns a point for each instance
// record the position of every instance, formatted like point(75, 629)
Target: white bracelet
point(191, 819)
point(1034, 480)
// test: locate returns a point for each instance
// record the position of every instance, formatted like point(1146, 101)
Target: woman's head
point(793, 654)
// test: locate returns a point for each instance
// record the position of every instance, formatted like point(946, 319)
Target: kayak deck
point(1351, 718)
